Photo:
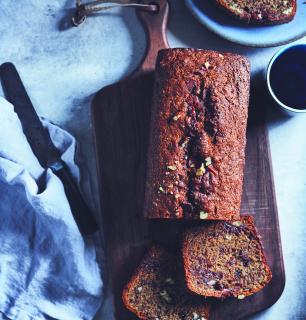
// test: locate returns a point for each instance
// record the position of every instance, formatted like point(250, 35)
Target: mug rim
point(275, 56)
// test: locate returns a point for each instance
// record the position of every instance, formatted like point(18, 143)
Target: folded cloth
point(47, 270)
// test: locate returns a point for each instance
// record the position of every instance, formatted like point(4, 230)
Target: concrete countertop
point(62, 67)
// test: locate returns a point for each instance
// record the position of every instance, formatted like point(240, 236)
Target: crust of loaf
point(198, 135)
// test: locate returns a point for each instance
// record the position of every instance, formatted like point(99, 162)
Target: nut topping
point(207, 161)
point(165, 295)
point(211, 282)
point(237, 223)
point(207, 64)
point(201, 170)
point(203, 215)
point(172, 168)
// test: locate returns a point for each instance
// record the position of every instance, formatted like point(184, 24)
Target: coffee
point(288, 77)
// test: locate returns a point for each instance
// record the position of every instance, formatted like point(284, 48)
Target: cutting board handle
point(155, 25)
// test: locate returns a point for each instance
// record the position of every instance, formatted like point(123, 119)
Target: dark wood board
point(121, 117)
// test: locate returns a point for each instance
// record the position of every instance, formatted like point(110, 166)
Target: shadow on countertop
point(260, 99)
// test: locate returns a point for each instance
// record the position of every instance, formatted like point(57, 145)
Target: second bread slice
point(223, 259)
point(157, 292)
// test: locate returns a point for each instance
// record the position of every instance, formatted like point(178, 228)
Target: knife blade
point(43, 147)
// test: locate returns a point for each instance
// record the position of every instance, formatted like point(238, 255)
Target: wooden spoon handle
point(155, 25)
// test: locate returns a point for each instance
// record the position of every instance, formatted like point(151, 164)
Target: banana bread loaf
point(157, 290)
point(260, 11)
point(198, 135)
point(224, 259)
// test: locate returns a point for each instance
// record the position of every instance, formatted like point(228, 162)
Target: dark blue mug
point(286, 79)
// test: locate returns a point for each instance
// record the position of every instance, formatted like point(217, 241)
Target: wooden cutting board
point(121, 114)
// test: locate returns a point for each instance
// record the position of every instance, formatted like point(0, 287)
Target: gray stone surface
point(62, 67)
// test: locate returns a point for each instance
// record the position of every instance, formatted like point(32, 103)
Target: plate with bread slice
point(253, 23)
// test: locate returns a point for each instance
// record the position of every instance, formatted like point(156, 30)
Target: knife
point(43, 147)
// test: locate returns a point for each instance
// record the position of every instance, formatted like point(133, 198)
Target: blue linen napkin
point(47, 270)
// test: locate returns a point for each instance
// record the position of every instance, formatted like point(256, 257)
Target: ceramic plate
point(256, 36)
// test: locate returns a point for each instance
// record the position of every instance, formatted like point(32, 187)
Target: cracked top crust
point(198, 135)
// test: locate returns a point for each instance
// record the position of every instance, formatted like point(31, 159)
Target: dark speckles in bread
point(224, 258)
point(260, 11)
point(198, 135)
point(157, 290)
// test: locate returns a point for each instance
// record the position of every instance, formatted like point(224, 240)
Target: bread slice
point(157, 290)
point(261, 11)
point(223, 259)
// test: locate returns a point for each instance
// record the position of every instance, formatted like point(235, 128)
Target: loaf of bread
point(198, 135)
point(260, 11)
point(157, 290)
point(223, 259)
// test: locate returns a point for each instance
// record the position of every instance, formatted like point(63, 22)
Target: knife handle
point(80, 210)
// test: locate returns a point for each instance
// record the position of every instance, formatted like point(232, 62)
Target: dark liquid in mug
point(288, 77)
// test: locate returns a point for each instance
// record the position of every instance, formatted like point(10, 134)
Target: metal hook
point(83, 10)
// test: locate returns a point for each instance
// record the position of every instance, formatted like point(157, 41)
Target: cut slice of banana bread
point(261, 11)
point(157, 290)
point(223, 259)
